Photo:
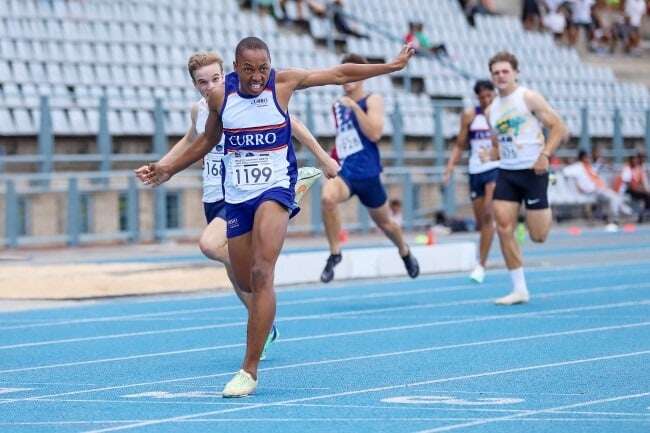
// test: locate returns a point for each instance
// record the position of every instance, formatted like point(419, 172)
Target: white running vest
point(259, 154)
point(520, 135)
point(212, 182)
point(480, 143)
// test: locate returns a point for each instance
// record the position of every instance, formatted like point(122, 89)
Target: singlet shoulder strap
point(230, 86)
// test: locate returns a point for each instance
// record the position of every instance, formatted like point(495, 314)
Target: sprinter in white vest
point(260, 172)
point(517, 116)
point(474, 128)
point(206, 71)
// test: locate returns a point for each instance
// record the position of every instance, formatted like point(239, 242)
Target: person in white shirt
point(475, 131)
point(517, 116)
point(581, 18)
point(633, 181)
point(634, 12)
point(590, 183)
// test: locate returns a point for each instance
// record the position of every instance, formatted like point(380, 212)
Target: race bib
point(251, 170)
point(507, 147)
point(348, 142)
point(212, 169)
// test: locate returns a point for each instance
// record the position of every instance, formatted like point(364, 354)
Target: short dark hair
point(354, 58)
point(251, 43)
point(504, 56)
point(483, 85)
point(581, 154)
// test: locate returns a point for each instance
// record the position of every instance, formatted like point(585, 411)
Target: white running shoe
point(611, 228)
point(513, 298)
point(307, 177)
point(241, 385)
point(478, 274)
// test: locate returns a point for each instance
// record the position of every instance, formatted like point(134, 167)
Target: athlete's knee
point(328, 201)
point(386, 225)
point(505, 228)
point(538, 236)
point(488, 209)
point(486, 221)
point(214, 249)
point(261, 277)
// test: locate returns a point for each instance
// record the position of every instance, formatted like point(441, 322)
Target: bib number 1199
point(253, 175)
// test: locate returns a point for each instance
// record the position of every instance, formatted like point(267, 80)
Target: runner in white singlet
point(206, 72)
point(474, 128)
point(260, 171)
point(517, 116)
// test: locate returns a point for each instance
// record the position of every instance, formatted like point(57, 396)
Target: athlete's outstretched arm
point(344, 73)
point(551, 120)
point(460, 144)
point(164, 169)
point(145, 174)
point(304, 136)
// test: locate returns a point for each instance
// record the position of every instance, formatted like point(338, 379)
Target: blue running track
point(425, 355)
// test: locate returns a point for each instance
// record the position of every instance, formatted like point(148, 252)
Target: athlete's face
point(351, 88)
point(207, 78)
point(504, 76)
point(485, 97)
point(253, 68)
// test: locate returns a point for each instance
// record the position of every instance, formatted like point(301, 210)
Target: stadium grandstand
point(100, 86)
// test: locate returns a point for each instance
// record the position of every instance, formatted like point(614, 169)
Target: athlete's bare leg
point(505, 214)
point(335, 191)
point(483, 213)
point(253, 257)
point(539, 223)
point(214, 245)
point(381, 216)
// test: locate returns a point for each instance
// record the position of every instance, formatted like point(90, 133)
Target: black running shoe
point(411, 265)
point(328, 272)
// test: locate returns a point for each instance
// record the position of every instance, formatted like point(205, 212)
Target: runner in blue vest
point(206, 71)
point(359, 118)
point(251, 110)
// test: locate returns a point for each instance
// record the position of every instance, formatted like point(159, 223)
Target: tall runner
point(260, 173)
point(517, 116)
point(359, 118)
point(206, 71)
point(482, 169)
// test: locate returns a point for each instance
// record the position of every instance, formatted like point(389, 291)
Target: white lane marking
point(304, 301)
point(560, 293)
point(394, 387)
point(464, 409)
point(451, 400)
point(534, 412)
point(336, 334)
point(220, 402)
point(330, 335)
point(304, 420)
point(339, 360)
point(214, 402)
point(11, 390)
